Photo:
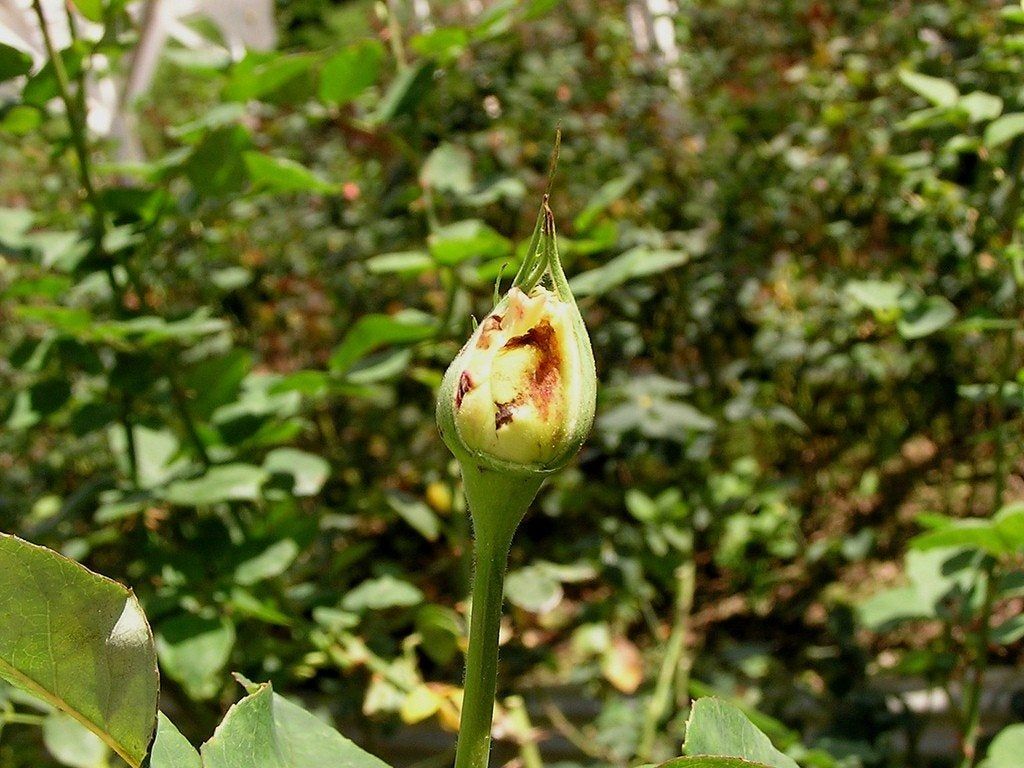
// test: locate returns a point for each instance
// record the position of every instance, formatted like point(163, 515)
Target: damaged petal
point(545, 379)
point(490, 326)
point(504, 413)
point(465, 384)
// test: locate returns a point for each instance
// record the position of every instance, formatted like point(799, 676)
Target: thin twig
point(574, 735)
point(675, 660)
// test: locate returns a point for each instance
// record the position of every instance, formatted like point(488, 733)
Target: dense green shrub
point(802, 277)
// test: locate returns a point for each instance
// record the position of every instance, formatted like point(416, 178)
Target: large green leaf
point(716, 728)
point(1006, 748)
point(925, 317)
point(279, 174)
point(13, 62)
point(609, 192)
point(79, 642)
point(194, 651)
point(1004, 129)
point(261, 74)
point(72, 744)
point(308, 471)
point(266, 731)
point(408, 88)
point(382, 593)
point(472, 238)
point(350, 72)
point(400, 262)
point(533, 588)
point(371, 332)
point(216, 166)
point(91, 9)
point(226, 482)
point(981, 106)
point(939, 92)
point(416, 513)
point(704, 761)
point(271, 562)
point(634, 263)
point(449, 168)
point(171, 749)
point(1000, 535)
point(877, 295)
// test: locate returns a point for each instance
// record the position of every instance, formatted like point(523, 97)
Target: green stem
point(972, 718)
point(674, 661)
point(497, 503)
point(180, 399)
point(129, 437)
point(395, 36)
point(973, 713)
point(16, 718)
point(529, 752)
point(76, 121)
point(75, 110)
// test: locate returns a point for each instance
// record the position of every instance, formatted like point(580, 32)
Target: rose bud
point(520, 396)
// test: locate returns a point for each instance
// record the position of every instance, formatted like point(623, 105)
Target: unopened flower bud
point(521, 394)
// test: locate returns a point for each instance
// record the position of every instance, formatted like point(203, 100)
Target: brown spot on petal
point(546, 378)
point(490, 325)
point(504, 413)
point(465, 384)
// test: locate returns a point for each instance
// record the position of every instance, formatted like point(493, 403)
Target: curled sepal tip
point(520, 395)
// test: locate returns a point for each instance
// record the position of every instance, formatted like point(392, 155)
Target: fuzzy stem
point(497, 503)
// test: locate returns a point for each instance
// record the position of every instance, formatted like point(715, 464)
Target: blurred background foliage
point(794, 230)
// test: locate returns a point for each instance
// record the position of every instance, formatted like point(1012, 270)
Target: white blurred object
point(243, 24)
point(653, 25)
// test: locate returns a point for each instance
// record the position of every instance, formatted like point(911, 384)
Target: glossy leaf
point(265, 730)
point(1000, 535)
point(716, 727)
point(97, 665)
point(443, 44)
point(271, 562)
point(440, 629)
point(533, 589)
point(876, 295)
point(400, 262)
